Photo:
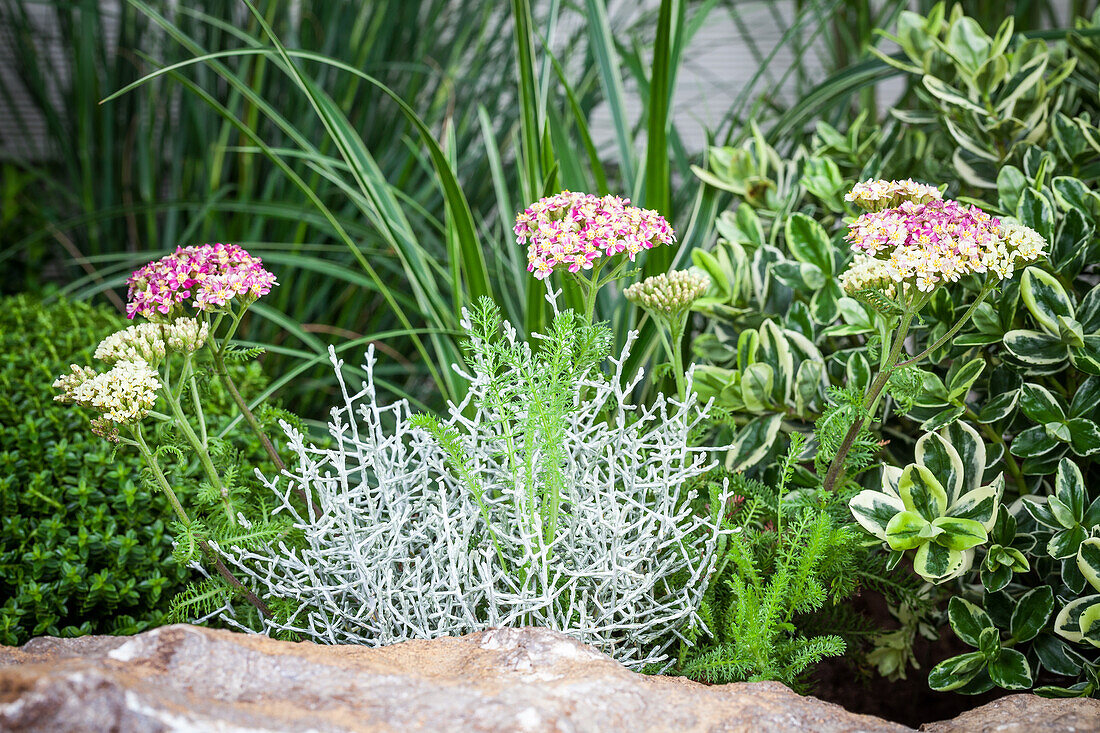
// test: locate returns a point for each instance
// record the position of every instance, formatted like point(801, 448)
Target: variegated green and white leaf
point(1067, 624)
point(968, 620)
point(753, 442)
point(1088, 561)
point(964, 379)
point(1045, 297)
point(1032, 612)
point(943, 461)
point(1011, 671)
point(1086, 357)
point(1069, 488)
point(921, 492)
point(1084, 436)
point(1035, 441)
point(1090, 625)
point(1065, 543)
point(936, 563)
point(807, 384)
point(971, 450)
point(873, 510)
point(980, 505)
point(1039, 510)
point(959, 534)
point(1040, 405)
point(908, 529)
point(757, 382)
point(1040, 352)
point(956, 672)
point(775, 350)
point(891, 475)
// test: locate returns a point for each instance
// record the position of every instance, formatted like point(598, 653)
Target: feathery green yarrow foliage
point(778, 565)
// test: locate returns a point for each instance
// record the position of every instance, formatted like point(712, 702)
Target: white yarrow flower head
point(867, 273)
point(150, 342)
point(669, 295)
point(187, 335)
point(144, 342)
point(123, 395)
point(1019, 245)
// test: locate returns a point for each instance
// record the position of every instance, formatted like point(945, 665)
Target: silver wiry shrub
point(420, 528)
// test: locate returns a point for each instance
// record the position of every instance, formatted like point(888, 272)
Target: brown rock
point(1025, 714)
point(187, 678)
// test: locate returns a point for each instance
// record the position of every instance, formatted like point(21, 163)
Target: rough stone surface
point(185, 678)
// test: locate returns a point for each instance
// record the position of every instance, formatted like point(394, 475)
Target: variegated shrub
point(936, 506)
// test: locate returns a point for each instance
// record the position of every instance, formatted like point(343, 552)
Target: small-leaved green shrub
point(84, 545)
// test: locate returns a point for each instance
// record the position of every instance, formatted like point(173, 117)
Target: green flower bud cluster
point(669, 295)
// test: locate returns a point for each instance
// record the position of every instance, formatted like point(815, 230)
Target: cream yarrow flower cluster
point(149, 342)
point(143, 342)
point(671, 294)
point(123, 395)
point(1020, 244)
point(867, 273)
point(574, 230)
point(876, 195)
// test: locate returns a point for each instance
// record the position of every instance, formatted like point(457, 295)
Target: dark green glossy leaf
point(995, 579)
point(1032, 442)
point(1040, 405)
point(1084, 436)
point(1032, 612)
point(1055, 655)
point(999, 406)
point(1011, 671)
point(1065, 543)
point(1040, 352)
point(953, 673)
point(942, 419)
point(1086, 399)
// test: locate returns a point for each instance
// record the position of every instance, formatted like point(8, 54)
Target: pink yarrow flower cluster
point(205, 277)
point(573, 230)
point(933, 241)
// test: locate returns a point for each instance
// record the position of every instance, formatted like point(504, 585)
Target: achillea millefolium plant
point(153, 398)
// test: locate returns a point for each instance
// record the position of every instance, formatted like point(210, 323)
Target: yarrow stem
point(227, 575)
point(952, 331)
point(199, 447)
point(151, 460)
point(872, 398)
